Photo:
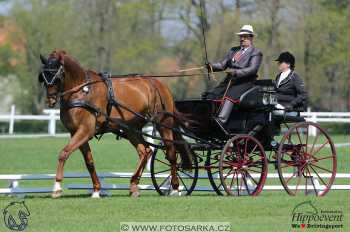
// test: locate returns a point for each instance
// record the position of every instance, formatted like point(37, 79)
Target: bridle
point(59, 74)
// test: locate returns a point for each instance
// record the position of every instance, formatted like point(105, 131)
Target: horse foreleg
point(144, 153)
point(78, 139)
point(89, 162)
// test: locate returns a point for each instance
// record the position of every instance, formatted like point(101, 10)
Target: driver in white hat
point(242, 64)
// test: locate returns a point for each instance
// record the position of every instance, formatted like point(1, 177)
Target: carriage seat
point(261, 95)
point(287, 118)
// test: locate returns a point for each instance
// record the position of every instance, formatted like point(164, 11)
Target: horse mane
point(69, 63)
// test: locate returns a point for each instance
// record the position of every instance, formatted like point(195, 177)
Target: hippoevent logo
point(16, 216)
point(306, 216)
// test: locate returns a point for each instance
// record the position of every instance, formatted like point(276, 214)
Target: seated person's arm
point(301, 99)
point(221, 65)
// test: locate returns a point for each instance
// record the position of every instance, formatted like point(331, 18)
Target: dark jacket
point(243, 73)
point(243, 70)
point(291, 92)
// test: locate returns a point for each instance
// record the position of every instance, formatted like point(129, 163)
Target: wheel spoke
point(318, 159)
point(253, 170)
point(237, 184)
point(288, 164)
point(322, 168)
point(301, 143)
point(305, 186)
point(252, 178)
point(296, 187)
point(183, 183)
point(245, 182)
point(319, 148)
point(185, 173)
point(163, 162)
point(213, 173)
point(241, 181)
point(258, 162)
point(163, 182)
point(254, 148)
point(254, 154)
point(245, 148)
point(231, 182)
point(312, 181)
point(162, 171)
point(307, 137)
point(318, 176)
point(291, 176)
point(313, 144)
point(229, 174)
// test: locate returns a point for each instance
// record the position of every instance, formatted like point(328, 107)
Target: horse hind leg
point(144, 152)
point(168, 137)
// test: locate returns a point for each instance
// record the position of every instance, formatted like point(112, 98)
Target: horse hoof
point(56, 194)
point(135, 194)
point(175, 193)
point(96, 194)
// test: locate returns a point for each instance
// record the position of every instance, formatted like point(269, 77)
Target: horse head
point(52, 74)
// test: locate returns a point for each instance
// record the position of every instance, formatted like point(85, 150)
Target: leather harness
point(112, 102)
point(96, 111)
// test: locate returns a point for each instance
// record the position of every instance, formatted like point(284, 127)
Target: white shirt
point(283, 76)
point(243, 49)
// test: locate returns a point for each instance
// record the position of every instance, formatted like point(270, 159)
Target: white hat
point(246, 30)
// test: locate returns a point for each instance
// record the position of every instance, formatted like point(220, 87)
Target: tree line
point(156, 36)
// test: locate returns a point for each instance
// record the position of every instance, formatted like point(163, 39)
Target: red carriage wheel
point(306, 164)
point(243, 166)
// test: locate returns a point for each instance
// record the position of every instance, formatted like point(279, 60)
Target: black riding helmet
point(288, 58)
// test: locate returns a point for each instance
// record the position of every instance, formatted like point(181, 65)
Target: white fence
point(52, 115)
point(15, 189)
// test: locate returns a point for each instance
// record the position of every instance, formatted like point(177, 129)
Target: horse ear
point(43, 59)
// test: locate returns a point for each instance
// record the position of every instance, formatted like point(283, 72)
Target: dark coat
point(291, 92)
point(243, 72)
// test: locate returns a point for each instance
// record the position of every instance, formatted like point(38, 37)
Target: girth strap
point(106, 77)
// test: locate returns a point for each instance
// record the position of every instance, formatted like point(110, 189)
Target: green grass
point(271, 211)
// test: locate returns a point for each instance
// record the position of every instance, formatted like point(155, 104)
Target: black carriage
point(235, 160)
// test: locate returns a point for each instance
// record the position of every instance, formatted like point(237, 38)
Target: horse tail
point(181, 145)
point(185, 120)
point(184, 150)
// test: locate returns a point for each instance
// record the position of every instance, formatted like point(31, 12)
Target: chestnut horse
point(84, 111)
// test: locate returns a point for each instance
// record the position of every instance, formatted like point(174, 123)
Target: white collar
point(283, 76)
point(245, 49)
point(286, 72)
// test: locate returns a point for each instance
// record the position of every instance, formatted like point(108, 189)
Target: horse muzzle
point(51, 101)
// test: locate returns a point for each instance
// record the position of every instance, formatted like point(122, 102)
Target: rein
point(78, 88)
point(166, 75)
